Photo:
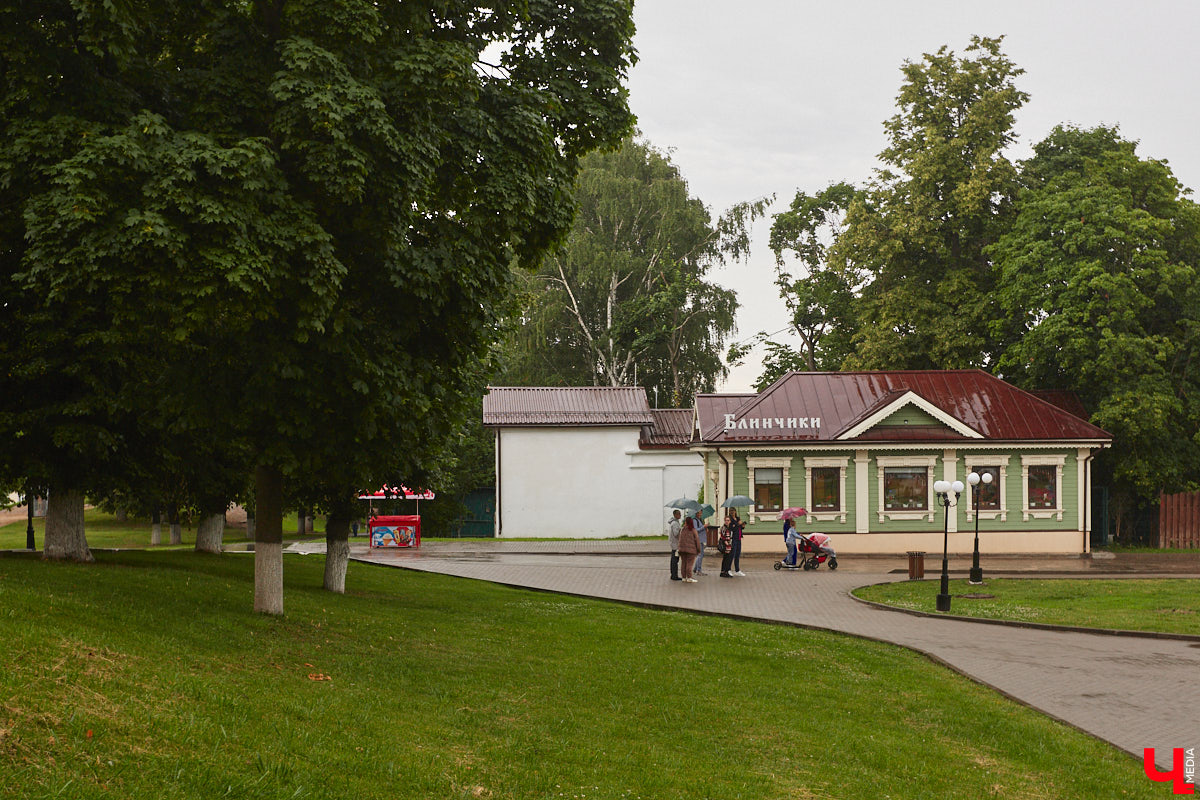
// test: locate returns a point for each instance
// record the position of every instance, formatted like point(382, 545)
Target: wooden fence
point(1179, 520)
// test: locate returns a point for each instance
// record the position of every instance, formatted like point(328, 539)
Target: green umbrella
point(737, 500)
point(706, 511)
point(685, 503)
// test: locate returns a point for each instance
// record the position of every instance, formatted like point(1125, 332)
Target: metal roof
point(711, 410)
point(566, 405)
point(826, 406)
point(672, 427)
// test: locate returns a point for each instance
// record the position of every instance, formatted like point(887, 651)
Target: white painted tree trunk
point(155, 533)
point(250, 527)
point(268, 540)
point(210, 532)
point(176, 533)
point(268, 577)
point(337, 551)
point(300, 526)
point(65, 538)
point(337, 557)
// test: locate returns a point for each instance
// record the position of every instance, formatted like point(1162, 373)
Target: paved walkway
point(1133, 691)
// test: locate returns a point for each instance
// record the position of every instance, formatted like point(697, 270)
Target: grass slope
point(146, 675)
point(1165, 605)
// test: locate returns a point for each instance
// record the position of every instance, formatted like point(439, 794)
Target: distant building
point(861, 452)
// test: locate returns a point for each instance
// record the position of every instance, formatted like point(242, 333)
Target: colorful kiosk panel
point(402, 530)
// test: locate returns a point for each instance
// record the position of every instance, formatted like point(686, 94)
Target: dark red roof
point(711, 408)
point(973, 404)
point(1067, 401)
point(566, 405)
point(672, 428)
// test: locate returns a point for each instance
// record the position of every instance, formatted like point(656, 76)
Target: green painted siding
point(1012, 487)
point(910, 415)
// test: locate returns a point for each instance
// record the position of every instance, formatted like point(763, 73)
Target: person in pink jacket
point(689, 546)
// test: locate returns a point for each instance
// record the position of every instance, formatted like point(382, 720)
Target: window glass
point(989, 493)
point(1041, 486)
point(825, 489)
point(905, 489)
point(768, 489)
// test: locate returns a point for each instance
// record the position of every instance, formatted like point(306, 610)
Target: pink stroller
point(812, 551)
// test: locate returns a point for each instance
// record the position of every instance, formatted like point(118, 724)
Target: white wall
point(587, 482)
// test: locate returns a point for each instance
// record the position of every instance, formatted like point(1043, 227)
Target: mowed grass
point(1165, 605)
point(147, 675)
point(105, 531)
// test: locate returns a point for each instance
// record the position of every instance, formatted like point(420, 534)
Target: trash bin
point(916, 564)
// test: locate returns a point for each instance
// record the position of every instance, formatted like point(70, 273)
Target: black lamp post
point(29, 543)
point(944, 489)
point(976, 576)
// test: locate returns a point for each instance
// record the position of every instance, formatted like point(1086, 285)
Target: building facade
point(861, 452)
point(587, 462)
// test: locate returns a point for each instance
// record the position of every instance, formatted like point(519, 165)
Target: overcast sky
point(760, 97)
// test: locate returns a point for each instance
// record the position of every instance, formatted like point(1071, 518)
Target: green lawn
point(146, 675)
point(1168, 605)
point(106, 532)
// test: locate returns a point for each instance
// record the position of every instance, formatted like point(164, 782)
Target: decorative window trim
point(812, 463)
point(929, 463)
point(969, 462)
point(753, 463)
point(1058, 462)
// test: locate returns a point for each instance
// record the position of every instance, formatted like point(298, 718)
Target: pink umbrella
point(791, 513)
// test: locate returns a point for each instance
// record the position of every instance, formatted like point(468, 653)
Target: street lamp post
point(29, 543)
point(944, 490)
point(976, 576)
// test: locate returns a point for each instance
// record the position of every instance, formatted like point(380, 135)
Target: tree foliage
point(626, 296)
point(1099, 285)
point(819, 292)
point(922, 228)
point(296, 220)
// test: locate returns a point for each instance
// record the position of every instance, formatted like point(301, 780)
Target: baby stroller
point(811, 552)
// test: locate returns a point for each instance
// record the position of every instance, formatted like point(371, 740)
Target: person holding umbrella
point(697, 523)
point(736, 527)
point(689, 546)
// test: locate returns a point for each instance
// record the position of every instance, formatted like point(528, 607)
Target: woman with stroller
point(792, 537)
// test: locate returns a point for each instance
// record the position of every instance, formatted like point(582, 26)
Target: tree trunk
point(156, 527)
point(210, 532)
point(65, 539)
point(268, 540)
point(300, 522)
point(121, 515)
point(250, 526)
point(337, 551)
point(176, 528)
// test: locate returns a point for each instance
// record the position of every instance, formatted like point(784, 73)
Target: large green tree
point(321, 201)
point(1100, 290)
point(626, 298)
point(818, 286)
point(921, 229)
